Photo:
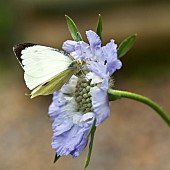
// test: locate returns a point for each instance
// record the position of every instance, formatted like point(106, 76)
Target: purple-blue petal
point(110, 54)
point(82, 50)
point(80, 147)
point(99, 69)
point(93, 39)
point(100, 104)
point(69, 46)
point(57, 102)
point(98, 54)
point(113, 66)
point(61, 126)
point(110, 51)
point(87, 126)
point(65, 143)
point(74, 138)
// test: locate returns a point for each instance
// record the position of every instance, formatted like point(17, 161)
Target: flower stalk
point(142, 99)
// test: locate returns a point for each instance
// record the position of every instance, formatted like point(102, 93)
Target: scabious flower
point(84, 98)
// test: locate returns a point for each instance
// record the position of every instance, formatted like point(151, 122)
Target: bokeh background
point(134, 137)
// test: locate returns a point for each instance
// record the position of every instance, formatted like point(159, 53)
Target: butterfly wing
point(41, 63)
point(54, 84)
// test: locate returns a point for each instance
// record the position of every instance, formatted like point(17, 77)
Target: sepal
point(91, 133)
point(126, 45)
point(99, 27)
point(73, 29)
point(56, 158)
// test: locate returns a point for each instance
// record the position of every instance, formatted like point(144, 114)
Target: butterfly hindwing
point(54, 84)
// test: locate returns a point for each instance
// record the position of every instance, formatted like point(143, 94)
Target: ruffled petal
point(82, 50)
point(113, 66)
point(57, 102)
point(88, 119)
point(110, 51)
point(110, 54)
point(80, 147)
point(93, 39)
point(65, 143)
point(69, 46)
point(98, 54)
point(99, 69)
point(94, 78)
point(73, 140)
point(100, 104)
point(69, 88)
point(61, 126)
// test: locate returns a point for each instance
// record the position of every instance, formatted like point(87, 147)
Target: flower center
point(83, 96)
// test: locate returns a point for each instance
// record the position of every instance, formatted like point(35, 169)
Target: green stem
point(142, 99)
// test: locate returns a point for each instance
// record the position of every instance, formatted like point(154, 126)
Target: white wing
point(41, 63)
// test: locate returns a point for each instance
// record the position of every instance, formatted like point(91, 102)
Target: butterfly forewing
point(19, 48)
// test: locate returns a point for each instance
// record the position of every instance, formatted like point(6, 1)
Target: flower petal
point(98, 54)
point(69, 88)
point(69, 46)
point(113, 66)
point(74, 138)
point(57, 102)
point(82, 50)
point(110, 50)
point(61, 126)
point(99, 69)
point(93, 77)
point(100, 104)
point(110, 53)
point(88, 119)
point(65, 143)
point(93, 39)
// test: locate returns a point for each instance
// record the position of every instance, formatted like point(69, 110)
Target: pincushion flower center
point(83, 96)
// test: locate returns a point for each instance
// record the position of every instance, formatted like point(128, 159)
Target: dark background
point(134, 137)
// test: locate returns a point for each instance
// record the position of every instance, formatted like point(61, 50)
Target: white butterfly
point(45, 69)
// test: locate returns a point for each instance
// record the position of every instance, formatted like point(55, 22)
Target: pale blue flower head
point(84, 98)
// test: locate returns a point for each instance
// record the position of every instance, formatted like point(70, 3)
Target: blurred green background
point(134, 137)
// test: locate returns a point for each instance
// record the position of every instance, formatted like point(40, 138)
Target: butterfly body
point(45, 69)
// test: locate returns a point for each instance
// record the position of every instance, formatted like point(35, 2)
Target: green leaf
point(126, 45)
point(99, 27)
point(56, 158)
point(93, 129)
point(73, 29)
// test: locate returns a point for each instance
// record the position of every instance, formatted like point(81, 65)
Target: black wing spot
point(18, 48)
point(45, 84)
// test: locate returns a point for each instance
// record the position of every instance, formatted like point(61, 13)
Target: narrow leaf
point(126, 45)
point(99, 27)
point(73, 29)
point(93, 129)
point(56, 158)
